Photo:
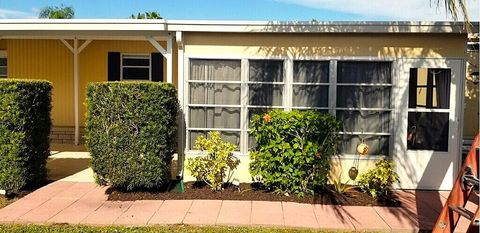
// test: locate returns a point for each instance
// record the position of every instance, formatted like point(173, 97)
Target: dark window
point(428, 89)
point(3, 67)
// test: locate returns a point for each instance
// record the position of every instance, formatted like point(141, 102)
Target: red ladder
point(465, 185)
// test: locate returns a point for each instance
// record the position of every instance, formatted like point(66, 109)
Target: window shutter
point(113, 66)
point(157, 67)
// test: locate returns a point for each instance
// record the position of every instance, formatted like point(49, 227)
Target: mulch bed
point(251, 192)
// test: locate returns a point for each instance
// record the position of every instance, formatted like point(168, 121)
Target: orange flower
point(267, 118)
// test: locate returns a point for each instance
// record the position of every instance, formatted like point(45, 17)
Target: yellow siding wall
point(3, 44)
point(51, 60)
point(471, 114)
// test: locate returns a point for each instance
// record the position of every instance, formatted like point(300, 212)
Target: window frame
point(4, 54)
point(288, 93)
point(122, 55)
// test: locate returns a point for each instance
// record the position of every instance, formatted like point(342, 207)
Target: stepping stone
point(299, 215)
point(139, 213)
point(45, 211)
point(365, 218)
point(267, 213)
point(171, 212)
point(235, 213)
point(333, 217)
point(107, 213)
point(203, 212)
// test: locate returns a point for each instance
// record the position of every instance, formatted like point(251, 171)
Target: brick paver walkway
point(86, 203)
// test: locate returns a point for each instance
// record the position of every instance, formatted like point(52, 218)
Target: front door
point(428, 132)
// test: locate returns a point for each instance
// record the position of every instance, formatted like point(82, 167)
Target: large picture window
point(214, 99)
point(363, 105)
point(224, 94)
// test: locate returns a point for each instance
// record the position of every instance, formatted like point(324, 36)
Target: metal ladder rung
point(462, 211)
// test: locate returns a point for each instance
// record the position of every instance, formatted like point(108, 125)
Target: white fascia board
point(316, 27)
point(149, 27)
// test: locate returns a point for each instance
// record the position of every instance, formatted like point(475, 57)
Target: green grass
point(170, 228)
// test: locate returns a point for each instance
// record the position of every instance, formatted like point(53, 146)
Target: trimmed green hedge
point(25, 124)
point(131, 132)
point(293, 150)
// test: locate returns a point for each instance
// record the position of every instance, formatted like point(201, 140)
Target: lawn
point(118, 229)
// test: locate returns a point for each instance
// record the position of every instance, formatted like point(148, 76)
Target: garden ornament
point(353, 173)
point(362, 148)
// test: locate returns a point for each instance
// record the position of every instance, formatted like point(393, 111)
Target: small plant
point(213, 167)
point(293, 149)
point(379, 180)
point(338, 186)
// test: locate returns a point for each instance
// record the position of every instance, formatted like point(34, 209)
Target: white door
point(428, 99)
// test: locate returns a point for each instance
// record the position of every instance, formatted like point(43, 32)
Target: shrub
point(379, 180)
point(24, 132)
point(131, 132)
point(218, 159)
point(293, 150)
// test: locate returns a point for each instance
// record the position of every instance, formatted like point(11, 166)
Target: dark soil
point(253, 192)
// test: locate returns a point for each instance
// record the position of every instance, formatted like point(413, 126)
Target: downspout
point(181, 117)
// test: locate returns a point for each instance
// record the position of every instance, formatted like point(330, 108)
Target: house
point(397, 86)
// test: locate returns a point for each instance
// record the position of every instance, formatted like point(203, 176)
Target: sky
point(321, 10)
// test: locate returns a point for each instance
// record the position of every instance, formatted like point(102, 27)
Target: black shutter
point(157, 67)
point(113, 66)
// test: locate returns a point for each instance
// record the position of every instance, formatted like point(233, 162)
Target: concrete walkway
point(86, 203)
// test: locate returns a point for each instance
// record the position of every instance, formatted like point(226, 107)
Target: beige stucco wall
point(324, 45)
point(470, 126)
point(317, 46)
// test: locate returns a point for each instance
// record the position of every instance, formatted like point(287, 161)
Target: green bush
point(379, 180)
point(293, 150)
point(24, 132)
point(212, 167)
point(131, 132)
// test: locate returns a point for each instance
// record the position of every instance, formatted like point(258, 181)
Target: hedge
point(25, 124)
point(131, 132)
point(293, 150)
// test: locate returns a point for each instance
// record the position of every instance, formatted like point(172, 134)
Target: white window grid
point(136, 56)
point(288, 99)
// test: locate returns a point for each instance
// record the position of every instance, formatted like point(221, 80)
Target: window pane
point(3, 61)
point(428, 131)
point(136, 61)
point(214, 93)
point(3, 71)
point(218, 70)
point(377, 145)
point(214, 117)
point(364, 121)
point(429, 88)
point(311, 71)
point(364, 72)
point(136, 73)
point(232, 137)
point(363, 97)
point(265, 94)
point(310, 96)
point(266, 71)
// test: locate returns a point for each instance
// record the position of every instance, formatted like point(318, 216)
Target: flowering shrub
point(292, 150)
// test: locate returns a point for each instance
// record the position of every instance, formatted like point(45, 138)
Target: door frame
point(423, 169)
